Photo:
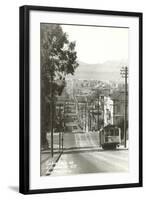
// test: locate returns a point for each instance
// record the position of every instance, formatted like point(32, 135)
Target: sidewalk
point(123, 146)
point(48, 163)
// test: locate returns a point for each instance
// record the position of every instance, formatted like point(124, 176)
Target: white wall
point(9, 100)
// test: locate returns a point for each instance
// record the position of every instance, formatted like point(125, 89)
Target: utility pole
point(60, 126)
point(89, 119)
point(86, 115)
point(51, 114)
point(64, 123)
point(102, 100)
point(124, 73)
point(98, 113)
point(114, 111)
point(93, 120)
point(52, 101)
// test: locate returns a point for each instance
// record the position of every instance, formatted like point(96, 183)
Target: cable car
point(110, 137)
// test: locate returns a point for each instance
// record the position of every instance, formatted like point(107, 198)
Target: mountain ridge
point(107, 71)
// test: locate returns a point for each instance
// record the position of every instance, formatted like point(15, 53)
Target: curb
point(53, 164)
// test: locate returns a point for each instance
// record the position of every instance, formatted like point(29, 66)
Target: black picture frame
point(24, 123)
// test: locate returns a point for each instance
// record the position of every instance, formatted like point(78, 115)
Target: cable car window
point(116, 132)
point(107, 132)
point(112, 132)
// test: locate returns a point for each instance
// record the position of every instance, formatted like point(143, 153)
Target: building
point(119, 110)
point(108, 111)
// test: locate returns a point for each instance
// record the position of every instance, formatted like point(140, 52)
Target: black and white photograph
point(72, 100)
point(84, 99)
point(80, 99)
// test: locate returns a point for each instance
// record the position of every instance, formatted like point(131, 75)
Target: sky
point(98, 44)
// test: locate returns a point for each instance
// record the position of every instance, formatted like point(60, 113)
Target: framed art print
point(80, 99)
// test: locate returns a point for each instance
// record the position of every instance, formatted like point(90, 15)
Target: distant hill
point(109, 70)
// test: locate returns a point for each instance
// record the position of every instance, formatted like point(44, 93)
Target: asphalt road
point(80, 140)
point(82, 154)
point(92, 162)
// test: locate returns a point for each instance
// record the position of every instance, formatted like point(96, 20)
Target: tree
point(58, 58)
